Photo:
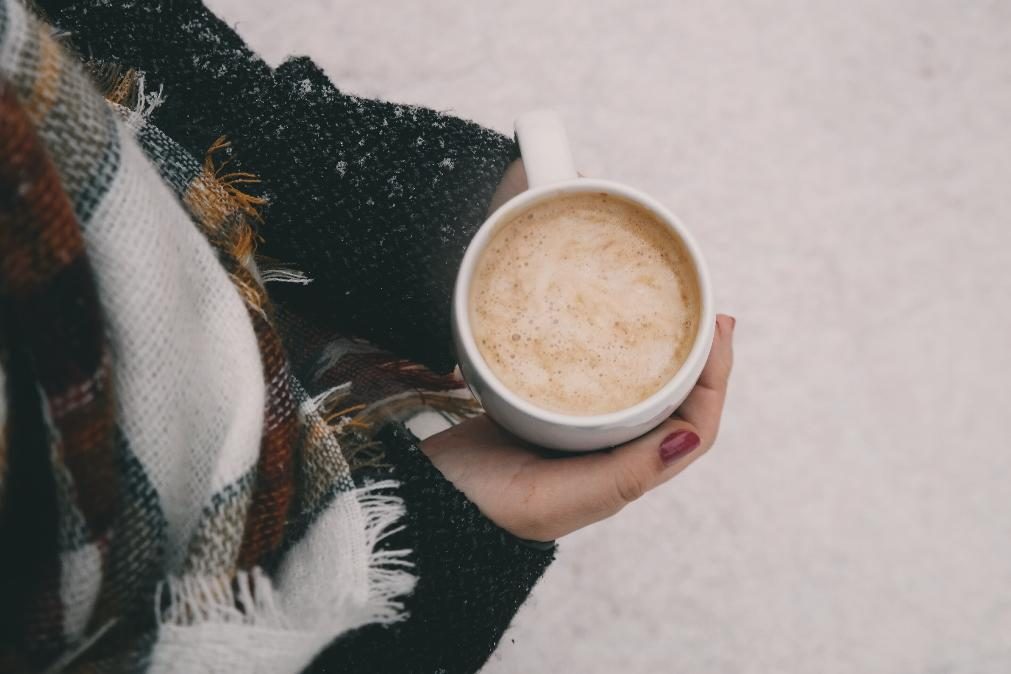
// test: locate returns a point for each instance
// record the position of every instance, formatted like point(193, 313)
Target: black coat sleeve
point(374, 201)
point(472, 578)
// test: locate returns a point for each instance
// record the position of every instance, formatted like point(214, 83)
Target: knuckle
point(630, 484)
point(727, 368)
point(719, 380)
point(708, 433)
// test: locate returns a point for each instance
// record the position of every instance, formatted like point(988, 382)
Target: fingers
point(704, 405)
point(559, 496)
point(721, 359)
point(574, 492)
point(656, 457)
point(650, 460)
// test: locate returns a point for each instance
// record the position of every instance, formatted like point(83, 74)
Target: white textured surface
point(847, 167)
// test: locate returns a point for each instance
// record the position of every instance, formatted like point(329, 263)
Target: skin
point(542, 495)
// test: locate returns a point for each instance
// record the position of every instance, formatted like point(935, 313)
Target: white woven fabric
point(82, 578)
point(187, 365)
point(190, 390)
point(192, 408)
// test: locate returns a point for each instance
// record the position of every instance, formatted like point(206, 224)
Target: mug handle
point(544, 147)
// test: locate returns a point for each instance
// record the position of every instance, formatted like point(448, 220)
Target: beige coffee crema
point(584, 304)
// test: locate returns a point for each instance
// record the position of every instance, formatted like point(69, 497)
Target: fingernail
point(676, 445)
point(733, 322)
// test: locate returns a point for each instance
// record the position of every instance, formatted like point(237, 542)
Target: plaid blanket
point(171, 496)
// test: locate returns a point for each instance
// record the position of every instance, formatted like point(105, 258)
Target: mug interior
point(529, 198)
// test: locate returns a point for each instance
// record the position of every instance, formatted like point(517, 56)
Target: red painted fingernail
point(676, 445)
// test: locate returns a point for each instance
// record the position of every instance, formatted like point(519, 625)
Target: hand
point(537, 495)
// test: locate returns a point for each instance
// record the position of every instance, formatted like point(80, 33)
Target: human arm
point(374, 201)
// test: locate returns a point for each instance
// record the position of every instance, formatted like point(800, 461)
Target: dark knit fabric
point(472, 578)
point(472, 575)
point(374, 201)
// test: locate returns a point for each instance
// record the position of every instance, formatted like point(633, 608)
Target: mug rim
point(477, 245)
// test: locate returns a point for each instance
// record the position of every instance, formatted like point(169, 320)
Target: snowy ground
point(847, 168)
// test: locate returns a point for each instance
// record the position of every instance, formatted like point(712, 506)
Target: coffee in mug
point(585, 304)
point(583, 309)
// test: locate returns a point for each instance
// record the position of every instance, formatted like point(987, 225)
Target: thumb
point(576, 491)
point(652, 459)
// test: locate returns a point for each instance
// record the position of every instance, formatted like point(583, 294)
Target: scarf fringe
point(357, 446)
point(125, 91)
point(389, 578)
point(455, 406)
point(250, 598)
point(282, 275)
point(146, 104)
point(246, 599)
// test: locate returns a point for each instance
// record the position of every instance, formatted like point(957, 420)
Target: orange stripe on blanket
point(43, 94)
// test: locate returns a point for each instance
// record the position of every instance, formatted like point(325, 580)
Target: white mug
point(551, 174)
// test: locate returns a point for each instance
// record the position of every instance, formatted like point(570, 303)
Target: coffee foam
point(584, 304)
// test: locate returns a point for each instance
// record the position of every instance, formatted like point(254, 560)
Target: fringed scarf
point(171, 497)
